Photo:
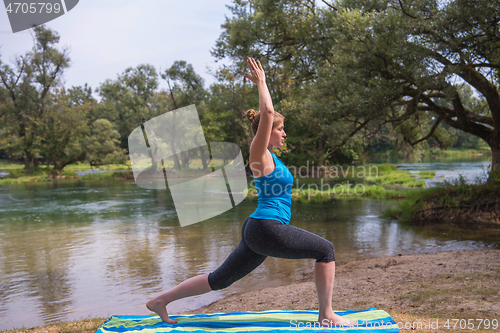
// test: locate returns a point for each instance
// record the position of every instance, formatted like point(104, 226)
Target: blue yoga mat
point(271, 321)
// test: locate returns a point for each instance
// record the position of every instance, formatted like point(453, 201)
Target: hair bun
point(251, 114)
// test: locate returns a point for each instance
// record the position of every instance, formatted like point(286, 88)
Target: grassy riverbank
point(433, 153)
point(17, 174)
point(456, 152)
point(415, 290)
point(374, 181)
point(455, 202)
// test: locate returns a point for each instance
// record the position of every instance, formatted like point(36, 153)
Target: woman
point(266, 231)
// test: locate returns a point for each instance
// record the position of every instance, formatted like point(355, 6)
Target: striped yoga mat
point(271, 321)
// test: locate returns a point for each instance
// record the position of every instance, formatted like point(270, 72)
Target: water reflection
point(75, 249)
point(38, 262)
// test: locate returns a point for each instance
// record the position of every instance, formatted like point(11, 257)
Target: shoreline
point(415, 288)
point(368, 283)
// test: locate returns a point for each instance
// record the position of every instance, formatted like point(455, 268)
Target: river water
point(73, 249)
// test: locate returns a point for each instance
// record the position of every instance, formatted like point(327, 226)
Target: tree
point(26, 91)
point(128, 99)
point(228, 100)
point(64, 130)
point(408, 56)
point(188, 88)
point(104, 144)
point(377, 63)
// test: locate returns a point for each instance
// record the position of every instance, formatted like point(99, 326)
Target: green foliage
point(228, 101)
point(447, 196)
point(188, 86)
point(63, 130)
point(103, 144)
point(128, 100)
point(187, 89)
point(25, 95)
point(371, 67)
point(369, 77)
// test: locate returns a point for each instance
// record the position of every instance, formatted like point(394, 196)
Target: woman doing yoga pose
point(266, 232)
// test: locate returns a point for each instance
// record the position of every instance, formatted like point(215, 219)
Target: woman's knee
point(328, 253)
point(218, 283)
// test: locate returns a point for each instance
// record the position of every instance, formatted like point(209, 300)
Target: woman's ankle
point(326, 313)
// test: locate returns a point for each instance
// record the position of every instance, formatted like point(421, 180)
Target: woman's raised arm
point(261, 140)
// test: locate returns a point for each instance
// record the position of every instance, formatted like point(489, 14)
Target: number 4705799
point(25, 8)
point(471, 324)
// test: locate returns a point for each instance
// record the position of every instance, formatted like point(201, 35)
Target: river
point(72, 249)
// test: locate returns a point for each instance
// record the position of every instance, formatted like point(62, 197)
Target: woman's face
point(278, 135)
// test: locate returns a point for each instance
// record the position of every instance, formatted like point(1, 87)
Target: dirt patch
point(412, 288)
point(89, 325)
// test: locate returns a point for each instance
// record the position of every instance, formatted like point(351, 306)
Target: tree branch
point(356, 130)
point(478, 81)
point(410, 110)
point(446, 114)
point(431, 132)
point(331, 6)
point(487, 65)
point(404, 11)
point(407, 139)
point(480, 119)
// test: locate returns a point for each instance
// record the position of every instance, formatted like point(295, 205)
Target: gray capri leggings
point(263, 238)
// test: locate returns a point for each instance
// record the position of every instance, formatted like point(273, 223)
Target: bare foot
point(160, 308)
point(334, 320)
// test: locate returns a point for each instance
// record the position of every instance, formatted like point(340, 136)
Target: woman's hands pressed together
point(257, 73)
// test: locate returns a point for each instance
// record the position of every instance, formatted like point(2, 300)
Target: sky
point(107, 37)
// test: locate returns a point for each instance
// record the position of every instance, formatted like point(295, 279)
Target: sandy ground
point(413, 289)
point(423, 293)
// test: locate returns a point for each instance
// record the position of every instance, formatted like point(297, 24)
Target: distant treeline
point(353, 79)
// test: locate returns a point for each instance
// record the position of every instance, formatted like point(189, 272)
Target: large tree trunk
point(184, 159)
point(494, 177)
point(177, 164)
point(61, 165)
point(28, 159)
point(202, 149)
point(203, 157)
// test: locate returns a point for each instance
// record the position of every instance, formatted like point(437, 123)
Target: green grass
point(426, 174)
point(344, 191)
point(449, 152)
point(417, 183)
point(20, 175)
point(457, 152)
point(17, 173)
point(6, 165)
point(389, 174)
point(100, 175)
point(386, 174)
point(80, 166)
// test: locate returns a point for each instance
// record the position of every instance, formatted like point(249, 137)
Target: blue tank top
point(275, 193)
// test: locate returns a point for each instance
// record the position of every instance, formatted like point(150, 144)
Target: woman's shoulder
point(263, 164)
